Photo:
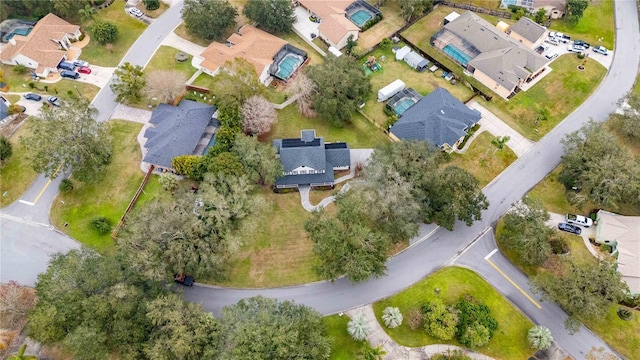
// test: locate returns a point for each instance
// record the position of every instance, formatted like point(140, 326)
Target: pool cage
point(399, 103)
point(274, 69)
point(362, 5)
point(456, 48)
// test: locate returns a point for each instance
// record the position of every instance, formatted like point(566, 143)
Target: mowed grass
point(597, 25)
point(510, 339)
point(164, 59)
point(359, 134)
point(129, 29)
point(280, 253)
point(275, 95)
point(343, 346)
point(391, 22)
point(241, 20)
point(15, 173)
point(108, 197)
point(482, 159)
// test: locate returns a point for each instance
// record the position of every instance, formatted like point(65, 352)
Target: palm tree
point(392, 317)
point(540, 337)
point(371, 353)
point(87, 13)
point(20, 354)
point(358, 328)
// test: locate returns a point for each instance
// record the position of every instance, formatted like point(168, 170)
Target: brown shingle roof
point(323, 8)
point(254, 45)
point(40, 45)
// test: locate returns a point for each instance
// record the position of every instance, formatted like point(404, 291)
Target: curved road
point(466, 246)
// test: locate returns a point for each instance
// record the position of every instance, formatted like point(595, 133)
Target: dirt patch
point(9, 128)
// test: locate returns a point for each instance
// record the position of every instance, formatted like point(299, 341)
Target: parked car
point(69, 74)
point(576, 48)
point(542, 48)
point(600, 50)
point(552, 55)
point(551, 41)
point(581, 43)
point(569, 228)
point(135, 12)
point(66, 66)
point(186, 280)
point(53, 101)
point(32, 96)
point(81, 63)
point(578, 220)
point(84, 70)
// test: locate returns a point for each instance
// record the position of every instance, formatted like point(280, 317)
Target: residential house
point(308, 160)
point(270, 55)
point(555, 9)
point(44, 47)
point(4, 110)
point(186, 129)
point(335, 28)
point(622, 233)
point(528, 32)
point(438, 118)
point(500, 62)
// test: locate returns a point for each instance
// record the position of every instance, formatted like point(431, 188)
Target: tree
point(168, 181)
point(69, 9)
point(350, 44)
point(207, 19)
point(69, 136)
point(258, 115)
point(440, 320)
point(259, 160)
point(371, 353)
point(6, 148)
point(191, 166)
point(575, 10)
point(225, 163)
point(341, 87)
point(526, 232)
point(275, 16)
point(584, 290)
point(540, 16)
point(165, 85)
point(476, 325)
point(599, 168)
point(412, 8)
point(305, 89)
point(87, 13)
point(540, 337)
point(392, 317)
point(15, 302)
point(236, 82)
point(630, 119)
point(103, 32)
point(151, 5)
point(263, 328)
point(358, 328)
point(128, 83)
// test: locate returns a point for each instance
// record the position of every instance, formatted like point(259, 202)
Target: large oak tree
point(208, 19)
point(275, 16)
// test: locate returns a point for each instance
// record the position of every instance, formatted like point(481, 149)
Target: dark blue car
point(570, 228)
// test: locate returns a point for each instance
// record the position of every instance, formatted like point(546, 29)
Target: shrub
point(476, 326)
point(439, 320)
point(151, 4)
point(104, 32)
point(168, 181)
point(392, 317)
point(358, 328)
point(65, 186)
point(32, 85)
point(559, 246)
point(414, 319)
point(539, 337)
point(20, 69)
point(581, 55)
point(451, 355)
point(385, 44)
point(15, 109)
point(101, 224)
point(606, 248)
point(6, 148)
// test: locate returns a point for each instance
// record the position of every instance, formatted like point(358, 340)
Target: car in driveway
point(84, 70)
point(576, 48)
point(69, 74)
point(570, 228)
point(552, 55)
point(80, 63)
point(32, 96)
point(578, 220)
point(135, 12)
point(586, 45)
point(600, 50)
point(551, 41)
point(183, 279)
point(53, 100)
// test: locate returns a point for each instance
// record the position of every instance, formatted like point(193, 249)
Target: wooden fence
point(502, 14)
point(114, 234)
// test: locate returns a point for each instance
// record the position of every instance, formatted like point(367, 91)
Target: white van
point(552, 55)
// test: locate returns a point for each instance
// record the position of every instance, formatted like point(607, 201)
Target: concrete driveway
point(99, 76)
point(587, 233)
point(303, 25)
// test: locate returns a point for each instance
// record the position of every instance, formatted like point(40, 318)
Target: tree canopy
point(275, 16)
point(128, 83)
point(69, 136)
point(575, 9)
point(104, 32)
point(262, 328)
point(208, 19)
point(340, 88)
point(525, 231)
point(259, 160)
point(411, 9)
point(630, 119)
point(165, 85)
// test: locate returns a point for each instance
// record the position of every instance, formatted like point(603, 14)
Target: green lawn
point(109, 197)
point(13, 98)
point(164, 59)
point(15, 173)
point(482, 160)
point(129, 29)
point(295, 40)
point(510, 339)
point(359, 134)
point(343, 346)
point(596, 24)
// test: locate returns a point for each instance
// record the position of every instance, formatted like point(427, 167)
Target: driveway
point(303, 25)
point(99, 76)
point(586, 233)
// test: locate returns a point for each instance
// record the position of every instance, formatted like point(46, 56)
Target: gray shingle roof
point(307, 179)
point(528, 29)
point(4, 110)
point(439, 118)
point(177, 130)
point(338, 154)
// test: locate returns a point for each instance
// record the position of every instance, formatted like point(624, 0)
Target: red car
point(84, 70)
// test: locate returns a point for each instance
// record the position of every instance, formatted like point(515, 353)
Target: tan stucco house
point(528, 32)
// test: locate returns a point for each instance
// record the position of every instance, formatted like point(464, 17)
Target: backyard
point(15, 173)
point(596, 26)
point(391, 22)
point(510, 339)
point(129, 29)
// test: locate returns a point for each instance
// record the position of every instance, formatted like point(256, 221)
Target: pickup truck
point(578, 220)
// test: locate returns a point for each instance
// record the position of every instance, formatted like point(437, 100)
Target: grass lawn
point(509, 340)
point(129, 29)
point(423, 83)
point(181, 30)
point(280, 253)
point(295, 40)
point(343, 346)
point(274, 95)
point(482, 160)
point(391, 22)
point(155, 13)
point(359, 134)
point(13, 98)
point(16, 82)
point(15, 173)
point(597, 23)
point(109, 197)
point(164, 59)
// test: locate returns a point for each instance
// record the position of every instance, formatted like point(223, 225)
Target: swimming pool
point(19, 31)
point(457, 54)
point(361, 17)
point(287, 66)
point(402, 105)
